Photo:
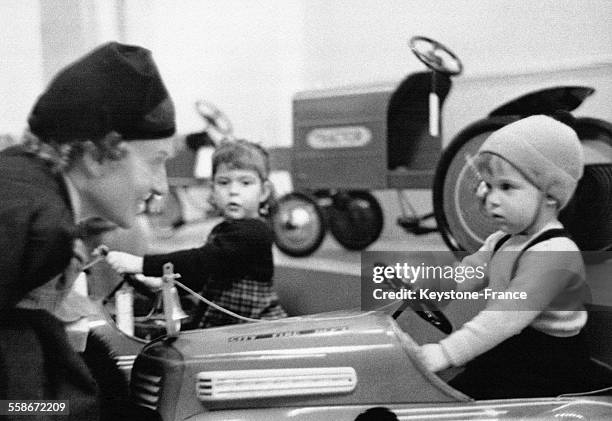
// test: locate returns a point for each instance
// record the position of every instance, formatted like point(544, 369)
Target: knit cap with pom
point(547, 152)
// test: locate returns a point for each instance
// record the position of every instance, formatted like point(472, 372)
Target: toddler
point(533, 346)
point(234, 268)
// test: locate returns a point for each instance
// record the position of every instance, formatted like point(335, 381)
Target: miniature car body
point(330, 366)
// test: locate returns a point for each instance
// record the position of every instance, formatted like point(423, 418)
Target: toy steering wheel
point(435, 56)
point(428, 312)
point(214, 120)
point(424, 308)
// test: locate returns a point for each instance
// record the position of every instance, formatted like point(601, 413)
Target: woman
point(96, 147)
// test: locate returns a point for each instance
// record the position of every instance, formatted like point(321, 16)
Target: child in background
point(531, 347)
point(234, 268)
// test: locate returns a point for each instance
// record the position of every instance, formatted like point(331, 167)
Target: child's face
point(511, 200)
point(238, 193)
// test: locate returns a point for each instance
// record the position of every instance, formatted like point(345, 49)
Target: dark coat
point(36, 242)
point(36, 226)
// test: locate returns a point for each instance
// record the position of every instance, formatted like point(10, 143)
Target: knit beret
point(547, 152)
point(115, 87)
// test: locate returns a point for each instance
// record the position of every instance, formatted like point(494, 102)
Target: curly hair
point(7, 140)
point(61, 155)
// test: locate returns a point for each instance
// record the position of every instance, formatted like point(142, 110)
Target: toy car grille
point(145, 389)
point(253, 384)
point(125, 362)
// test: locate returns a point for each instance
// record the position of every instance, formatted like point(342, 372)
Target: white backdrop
point(251, 56)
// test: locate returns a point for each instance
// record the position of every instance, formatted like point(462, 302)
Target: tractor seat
point(408, 117)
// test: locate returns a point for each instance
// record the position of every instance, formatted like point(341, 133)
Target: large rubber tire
point(355, 219)
point(588, 215)
point(463, 224)
point(298, 224)
point(461, 221)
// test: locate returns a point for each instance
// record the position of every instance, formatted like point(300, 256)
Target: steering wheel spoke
point(428, 312)
point(435, 55)
point(215, 121)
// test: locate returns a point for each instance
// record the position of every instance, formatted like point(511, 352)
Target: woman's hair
point(7, 140)
point(61, 155)
point(244, 155)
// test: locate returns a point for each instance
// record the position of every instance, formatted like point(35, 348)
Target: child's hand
point(150, 282)
point(433, 357)
point(124, 262)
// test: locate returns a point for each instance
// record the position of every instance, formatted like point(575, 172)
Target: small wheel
point(298, 224)
point(355, 219)
point(435, 55)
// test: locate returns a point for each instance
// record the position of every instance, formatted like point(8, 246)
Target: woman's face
point(118, 192)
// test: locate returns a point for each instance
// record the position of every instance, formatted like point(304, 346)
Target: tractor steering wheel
point(435, 56)
point(215, 121)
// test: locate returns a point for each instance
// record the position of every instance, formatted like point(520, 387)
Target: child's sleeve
point(236, 249)
point(479, 262)
point(478, 276)
point(541, 276)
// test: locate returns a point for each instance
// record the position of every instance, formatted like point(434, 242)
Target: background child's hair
point(241, 154)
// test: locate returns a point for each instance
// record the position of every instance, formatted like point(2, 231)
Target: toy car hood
point(341, 358)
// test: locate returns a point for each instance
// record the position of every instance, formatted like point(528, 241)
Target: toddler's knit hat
point(115, 87)
point(547, 152)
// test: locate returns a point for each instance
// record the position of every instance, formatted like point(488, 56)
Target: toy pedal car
point(329, 366)
point(325, 367)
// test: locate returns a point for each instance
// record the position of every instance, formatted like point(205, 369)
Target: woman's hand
point(433, 357)
point(124, 262)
